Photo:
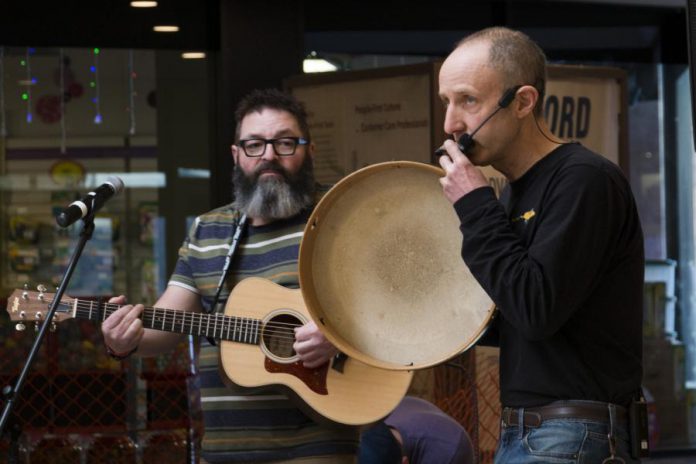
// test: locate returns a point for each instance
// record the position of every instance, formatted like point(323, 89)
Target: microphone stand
point(9, 392)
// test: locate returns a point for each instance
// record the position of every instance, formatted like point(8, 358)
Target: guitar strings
point(280, 330)
point(283, 337)
point(171, 314)
point(238, 332)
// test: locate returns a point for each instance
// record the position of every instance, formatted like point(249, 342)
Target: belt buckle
point(505, 417)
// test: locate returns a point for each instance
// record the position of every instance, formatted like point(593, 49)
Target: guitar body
point(345, 391)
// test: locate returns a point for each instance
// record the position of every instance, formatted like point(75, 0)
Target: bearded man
point(274, 196)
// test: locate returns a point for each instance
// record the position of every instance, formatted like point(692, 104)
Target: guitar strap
point(239, 226)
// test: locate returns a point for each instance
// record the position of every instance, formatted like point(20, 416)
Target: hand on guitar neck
point(124, 330)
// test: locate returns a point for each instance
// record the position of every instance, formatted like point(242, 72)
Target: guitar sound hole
point(279, 335)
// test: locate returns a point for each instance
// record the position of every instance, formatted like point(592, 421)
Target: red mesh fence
point(468, 389)
point(77, 401)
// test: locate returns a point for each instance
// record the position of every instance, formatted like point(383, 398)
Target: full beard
point(274, 197)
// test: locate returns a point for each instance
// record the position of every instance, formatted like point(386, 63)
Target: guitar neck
point(231, 328)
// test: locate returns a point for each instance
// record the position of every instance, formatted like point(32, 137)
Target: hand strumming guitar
point(312, 347)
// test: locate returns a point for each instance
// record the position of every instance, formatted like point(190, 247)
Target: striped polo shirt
point(243, 425)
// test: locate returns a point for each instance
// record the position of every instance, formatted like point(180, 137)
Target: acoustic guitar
point(257, 334)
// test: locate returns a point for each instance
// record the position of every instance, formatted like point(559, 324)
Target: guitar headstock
point(32, 306)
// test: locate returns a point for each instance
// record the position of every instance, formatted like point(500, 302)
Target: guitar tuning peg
point(36, 326)
point(41, 288)
point(25, 286)
point(20, 327)
point(25, 295)
point(53, 327)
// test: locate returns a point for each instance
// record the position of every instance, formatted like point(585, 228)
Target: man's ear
point(235, 153)
point(525, 101)
point(310, 150)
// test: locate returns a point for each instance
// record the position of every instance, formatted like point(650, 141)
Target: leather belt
point(583, 410)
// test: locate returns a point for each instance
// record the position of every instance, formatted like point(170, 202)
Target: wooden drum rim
point(318, 235)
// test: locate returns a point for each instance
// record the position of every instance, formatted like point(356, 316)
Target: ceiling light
point(166, 28)
point(143, 4)
point(193, 55)
point(315, 65)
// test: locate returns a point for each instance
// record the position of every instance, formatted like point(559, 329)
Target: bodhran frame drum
point(381, 270)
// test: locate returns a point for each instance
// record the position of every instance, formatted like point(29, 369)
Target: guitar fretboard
point(236, 329)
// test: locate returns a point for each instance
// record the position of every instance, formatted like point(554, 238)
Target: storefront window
point(69, 119)
point(72, 118)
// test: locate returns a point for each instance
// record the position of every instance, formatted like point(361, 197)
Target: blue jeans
point(562, 441)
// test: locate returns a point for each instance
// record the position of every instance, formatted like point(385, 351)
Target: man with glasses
point(274, 187)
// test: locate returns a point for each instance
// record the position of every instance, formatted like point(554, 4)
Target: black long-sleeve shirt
point(561, 255)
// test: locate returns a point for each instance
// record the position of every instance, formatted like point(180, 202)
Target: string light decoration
point(63, 96)
point(131, 93)
point(3, 125)
point(26, 94)
point(94, 84)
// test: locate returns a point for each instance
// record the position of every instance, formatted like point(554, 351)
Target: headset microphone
point(466, 141)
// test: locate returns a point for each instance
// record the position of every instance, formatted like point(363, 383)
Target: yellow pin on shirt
point(525, 216)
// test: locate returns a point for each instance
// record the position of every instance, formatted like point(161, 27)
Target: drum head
point(381, 270)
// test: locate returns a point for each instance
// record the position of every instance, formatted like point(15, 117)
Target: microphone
point(466, 141)
point(91, 203)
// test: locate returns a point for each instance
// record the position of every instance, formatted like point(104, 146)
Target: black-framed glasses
point(283, 146)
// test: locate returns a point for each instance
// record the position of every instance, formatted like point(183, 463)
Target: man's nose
point(454, 123)
point(269, 153)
